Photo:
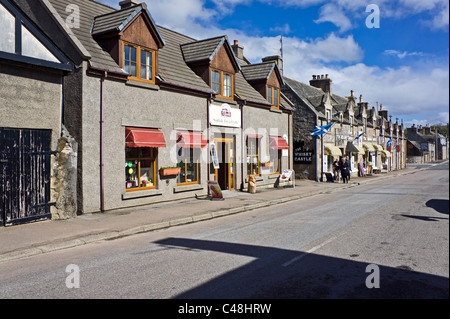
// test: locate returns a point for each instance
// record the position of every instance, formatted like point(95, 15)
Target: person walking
point(336, 168)
point(345, 170)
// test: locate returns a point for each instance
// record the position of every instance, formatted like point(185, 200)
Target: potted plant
point(266, 164)
point(170, 171)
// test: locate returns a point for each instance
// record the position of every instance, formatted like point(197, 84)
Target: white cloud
point(403, 54)
point(284, 29)
point(332, 13)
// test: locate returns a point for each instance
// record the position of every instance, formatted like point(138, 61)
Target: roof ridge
point(116, 10)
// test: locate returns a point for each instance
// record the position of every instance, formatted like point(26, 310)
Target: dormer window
point(139, 62)
point(222, 84)
point(273, 96)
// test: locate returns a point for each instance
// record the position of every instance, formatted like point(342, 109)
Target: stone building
point(32, 69)
point(359, 132)
point(150, 108)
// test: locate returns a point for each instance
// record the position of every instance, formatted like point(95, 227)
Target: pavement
point(46, 236)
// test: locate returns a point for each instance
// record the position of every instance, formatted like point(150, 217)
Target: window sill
point(188, 188)
point(224, 100)
point(275, 110)
point(140, 194)
point(143, 85)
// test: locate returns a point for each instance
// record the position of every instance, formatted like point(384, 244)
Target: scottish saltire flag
point(389, 143)
point(320, 130)
point(357, 138)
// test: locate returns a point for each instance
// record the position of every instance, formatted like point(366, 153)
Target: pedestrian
point(336, 167)
point(345, 170)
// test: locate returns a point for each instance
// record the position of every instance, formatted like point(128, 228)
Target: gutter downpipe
point(102, 177)
point(241, 105)
point(103, 75)
point(208, 104)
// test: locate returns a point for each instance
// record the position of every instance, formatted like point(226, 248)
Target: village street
point(386, 239)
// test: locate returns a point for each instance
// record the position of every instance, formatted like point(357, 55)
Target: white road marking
point(308, 252)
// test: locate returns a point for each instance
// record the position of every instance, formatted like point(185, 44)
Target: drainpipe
point(241, 106)
point(102, 177)
point(208, 104)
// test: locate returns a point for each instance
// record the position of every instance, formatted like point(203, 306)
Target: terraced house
point(157, 115)
point(370, 141)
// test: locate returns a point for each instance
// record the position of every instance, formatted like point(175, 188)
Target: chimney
point(322, 82)
point(128, 4)
point(238, 50)
point(383, 113)
point(277, 59)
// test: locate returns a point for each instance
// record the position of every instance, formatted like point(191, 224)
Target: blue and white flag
point(357, 138)
point(389, 143)
point(320, 130)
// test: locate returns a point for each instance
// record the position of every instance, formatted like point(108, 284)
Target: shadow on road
point(286, 274)
point(439, 205)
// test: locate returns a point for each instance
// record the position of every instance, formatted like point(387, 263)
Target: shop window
point(222, 84)
point(139, 62)
point(189, 161)
point(275, 161)
point(140, 168)
point(253, 156)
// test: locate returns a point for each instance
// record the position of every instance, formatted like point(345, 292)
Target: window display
point(140, 168)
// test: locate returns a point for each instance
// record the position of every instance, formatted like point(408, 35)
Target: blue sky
point(403, 64)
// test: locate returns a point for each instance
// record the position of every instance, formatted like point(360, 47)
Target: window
point(222, 84)
point(188, 160)
point(273, 96)
point(139, 62)
point(253, 156)
point(275, 160)
point(140, 168)
point(227, 87)
point(215, 82)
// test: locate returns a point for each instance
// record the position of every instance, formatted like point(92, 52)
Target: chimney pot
point(326, 76)
point(314, 77)
point(128, 4)
point(236, 42)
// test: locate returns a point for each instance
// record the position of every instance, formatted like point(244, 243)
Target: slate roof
point(202, 50)
point(114, 21)
point(88, 11)
point(173, 58)
point(259, 71)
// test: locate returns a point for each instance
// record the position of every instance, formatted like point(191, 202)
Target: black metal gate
point(25, 163)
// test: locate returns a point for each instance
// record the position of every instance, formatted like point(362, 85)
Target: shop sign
point(224, 115)
point(303, 156)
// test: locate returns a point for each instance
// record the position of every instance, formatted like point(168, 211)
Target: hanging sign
point(214, 157)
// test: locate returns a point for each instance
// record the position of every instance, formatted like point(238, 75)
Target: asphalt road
point(317, 247)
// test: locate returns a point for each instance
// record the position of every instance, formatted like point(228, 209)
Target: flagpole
point(321, 162)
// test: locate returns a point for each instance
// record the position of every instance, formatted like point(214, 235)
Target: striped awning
point(142, 137)
point(278, 143)
point(188, 139)
point(378, 147)
point(369, 147)
point(386, 153)
point(332, 150)
point(352, 148)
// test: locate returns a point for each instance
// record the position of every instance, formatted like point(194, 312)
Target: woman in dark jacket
point(345, 170)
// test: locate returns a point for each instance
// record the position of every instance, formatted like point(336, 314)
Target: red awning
point(191, 139)
point(278, 143)
point(143, 137)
